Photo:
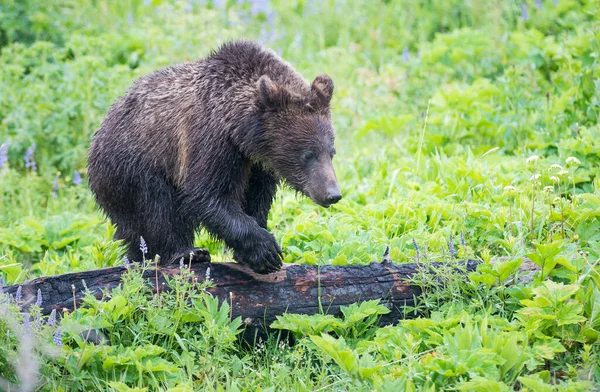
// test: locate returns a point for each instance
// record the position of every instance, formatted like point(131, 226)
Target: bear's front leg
point(262, 187)
point(252, 245)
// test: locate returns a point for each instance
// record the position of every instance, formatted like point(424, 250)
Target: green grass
point(440, 109)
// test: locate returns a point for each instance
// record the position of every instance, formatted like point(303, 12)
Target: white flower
point(532, 160)
point(554, 179)
point(549, 189)
point(555, 167)
point(563, 173)
point(534, 177)
point(572, 161)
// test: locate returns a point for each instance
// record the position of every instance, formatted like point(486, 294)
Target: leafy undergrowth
point(464, 130)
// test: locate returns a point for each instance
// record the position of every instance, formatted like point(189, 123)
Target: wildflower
point(58, 337)
point(572, 161)
point(451, 247)
point(406, 54)
point(549, 189)
point(55, 186)
point(563, 173)
point(52, 318)
point(3, 154)
point(462, 239)
point(556, 200)
point(510, 190)
point(181, 265)
point(38, 302)
point(539, 4)
point(524, 12)
point(532, 160)
point(207, 277)
point(85, 288)
point(26, 321)
point(143, 246)
point(555, 167)
point(38, 321)
point(19, 294)
point(76, 178)
point(554, 179)
point(1, 285)
point(534, 178)
point(416, 248)
point(126, 262)
point(29, 159)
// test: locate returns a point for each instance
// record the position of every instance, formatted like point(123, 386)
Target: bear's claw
point(198, 255)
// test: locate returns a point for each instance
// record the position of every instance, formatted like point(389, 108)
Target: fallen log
point(258, 299)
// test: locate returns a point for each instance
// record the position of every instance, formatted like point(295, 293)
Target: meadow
point(465, 130)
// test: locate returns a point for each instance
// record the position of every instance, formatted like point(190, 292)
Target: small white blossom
point(532, 160)
point(534, 178)
point(555, 167)
point(572, 161)
point(554, 179)
point(563, 173)
point(549, 189)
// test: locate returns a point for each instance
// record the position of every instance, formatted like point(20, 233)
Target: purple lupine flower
point(1, 285)
point(38, 302)
point(143, 246)
point(463, 243)
point(539, 4)
point(3, 154)
point(19, 294)
point(451, 247)
point(416, 248)
point(76, 178)
point(29, 158)
point(38, 321)
point(406, 54)
point(58, 337)
point(524, 12)
point(126, 262)
point(55, 186)
point(52, 318)
point(181, 265)
point(130, 18)
point(26, 321)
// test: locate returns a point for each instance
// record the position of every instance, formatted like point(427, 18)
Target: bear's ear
point(271, 95)
point(322, 86)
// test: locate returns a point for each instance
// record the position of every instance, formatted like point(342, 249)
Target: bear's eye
point(308, 155)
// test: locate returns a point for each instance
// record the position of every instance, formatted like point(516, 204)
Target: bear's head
point(299, 137)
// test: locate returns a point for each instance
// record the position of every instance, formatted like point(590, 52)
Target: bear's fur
point(205, 144)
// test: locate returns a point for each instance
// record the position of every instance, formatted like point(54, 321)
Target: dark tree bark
point(258, 299)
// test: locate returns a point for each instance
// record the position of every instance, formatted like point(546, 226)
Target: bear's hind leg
point(164, 232)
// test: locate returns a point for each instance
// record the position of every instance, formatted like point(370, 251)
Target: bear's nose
point(333, 197)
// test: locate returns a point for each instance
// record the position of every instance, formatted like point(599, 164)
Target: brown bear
point(205, 144)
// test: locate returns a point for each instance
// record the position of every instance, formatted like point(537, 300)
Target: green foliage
point(464, 130)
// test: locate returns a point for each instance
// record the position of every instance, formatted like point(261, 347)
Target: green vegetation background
point(465, 129)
